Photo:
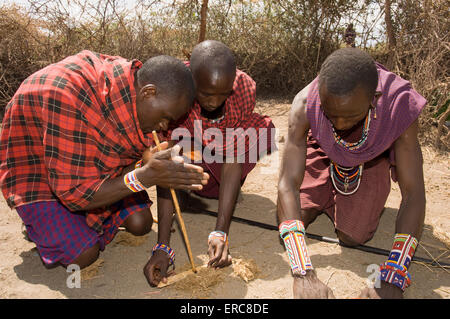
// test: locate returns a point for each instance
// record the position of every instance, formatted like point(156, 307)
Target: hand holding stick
point(178, 212)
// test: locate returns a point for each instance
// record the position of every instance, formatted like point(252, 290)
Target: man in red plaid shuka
point(231, 138)
point(71, 135)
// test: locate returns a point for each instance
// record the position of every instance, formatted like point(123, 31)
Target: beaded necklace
point(346, 178)
point(217, 120)
point(356, 145)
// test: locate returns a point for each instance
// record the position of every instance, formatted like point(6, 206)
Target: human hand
point(156, 268)
point(386, 291)
point(219, 256)
point(310, 287)
point(166, 168)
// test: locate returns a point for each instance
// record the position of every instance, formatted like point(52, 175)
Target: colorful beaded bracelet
point(166, 249)
point(399, 269)
point(395, 276)
point(395, 269)
point(138, 164)
point(293, 234)
point(291, 226)
point(218, 234)
point(132, 182)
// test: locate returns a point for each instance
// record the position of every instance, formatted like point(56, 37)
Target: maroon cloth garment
point(211, 190)
point(397, 108)
point(356, 215)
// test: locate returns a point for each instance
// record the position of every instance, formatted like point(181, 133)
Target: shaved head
point(214, 70)
point(169, 74)
point(347, 68)
point(213, 56)
point(165, 91)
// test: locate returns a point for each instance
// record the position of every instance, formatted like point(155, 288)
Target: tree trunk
point(392, 43)
point(203, 12)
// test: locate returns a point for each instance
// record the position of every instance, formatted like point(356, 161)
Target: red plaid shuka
point(68, 128)
point(238, 113)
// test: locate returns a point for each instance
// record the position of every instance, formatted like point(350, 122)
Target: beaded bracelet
point(138, 164)
point(132, 182)
point(293, 234)
point(395, 269)
point(395, 275)
point(166, 249)
point(291, 226)
point(401, 270)
point(218, 234)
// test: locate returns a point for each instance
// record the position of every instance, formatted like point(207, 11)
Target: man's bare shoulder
point(301, 96)
point(297, 114)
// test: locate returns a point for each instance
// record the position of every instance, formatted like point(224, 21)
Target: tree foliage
point(280, 43)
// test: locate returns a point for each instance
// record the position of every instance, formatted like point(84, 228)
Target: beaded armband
point(166, 249)
point(218, 234)
point(395, 269)
point(293, 234)
point(132, 182)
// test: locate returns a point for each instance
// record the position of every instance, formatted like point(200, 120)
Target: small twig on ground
point(435, 259)
point(330, 277)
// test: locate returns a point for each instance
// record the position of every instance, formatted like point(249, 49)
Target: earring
point(377, 96)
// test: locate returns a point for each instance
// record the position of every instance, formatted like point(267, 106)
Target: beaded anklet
point(395, 269)
point(218, 234)
point(293, 234)
point(132, 182)
point(166, 249)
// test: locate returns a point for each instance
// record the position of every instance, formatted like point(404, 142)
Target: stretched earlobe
point(373, 104)
point(147, 90)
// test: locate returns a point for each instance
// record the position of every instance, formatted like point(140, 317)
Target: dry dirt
point(118, 272)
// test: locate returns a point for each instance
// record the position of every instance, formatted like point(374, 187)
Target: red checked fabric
point(239, 108)
point(68, 128)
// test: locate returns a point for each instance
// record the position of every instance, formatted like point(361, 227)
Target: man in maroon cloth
point(229, 136)
point(351, 130)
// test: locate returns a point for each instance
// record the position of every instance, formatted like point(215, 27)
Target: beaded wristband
point(293, 234)
point(393, 275)
point(395, 269)
point(138, 164)
point(218, 234)
point(132, 182)
point(166, 249)
point(291, 226)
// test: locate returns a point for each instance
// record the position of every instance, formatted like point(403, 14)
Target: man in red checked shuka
point(225, 101)
point(71, 145)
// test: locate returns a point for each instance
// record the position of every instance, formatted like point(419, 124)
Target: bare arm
point(411, 214)
point(228, 192)
point(159, 169)
point(290, 180)
point(408, 156)
point(293, 160)
point(230, 184)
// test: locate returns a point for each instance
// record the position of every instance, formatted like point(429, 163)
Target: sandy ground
point(118, 272)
